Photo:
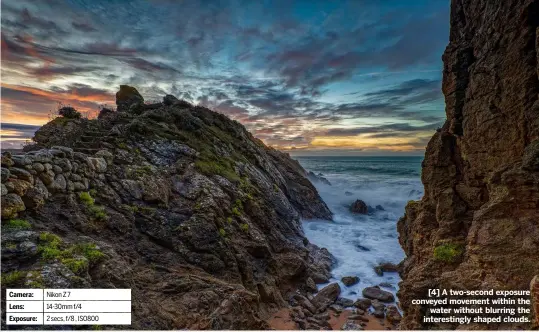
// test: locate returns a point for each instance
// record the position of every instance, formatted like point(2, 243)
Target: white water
point(361, 242)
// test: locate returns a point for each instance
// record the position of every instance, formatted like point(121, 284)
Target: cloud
point(290, 72)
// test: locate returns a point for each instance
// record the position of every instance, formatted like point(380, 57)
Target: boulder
point(18, 186)
point(350, 280)
point(11, 205)
point(104, 113)
point(375, 293)
point(22, 174)
point(327, 296)
point(127, 97)
point(386, 267)
point(170, 100)
point(344, 302)
point(363, 304)
point(359, 207)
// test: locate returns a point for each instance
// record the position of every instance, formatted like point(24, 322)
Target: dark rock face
point(476, 225)
point(128, 97)
point(177, 202)
point(359, 207)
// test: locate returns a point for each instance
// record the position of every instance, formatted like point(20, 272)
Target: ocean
point(361, 242)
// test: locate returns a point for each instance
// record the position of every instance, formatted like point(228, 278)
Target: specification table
point(68, 306)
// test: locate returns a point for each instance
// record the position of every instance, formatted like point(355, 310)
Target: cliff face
point(477, 225)
point(177, 202)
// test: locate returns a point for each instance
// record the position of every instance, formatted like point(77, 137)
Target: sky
point(358, 77)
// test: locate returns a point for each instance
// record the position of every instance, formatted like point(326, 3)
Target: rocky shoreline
point(174, 201)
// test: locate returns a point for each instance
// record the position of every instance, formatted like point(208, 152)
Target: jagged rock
point(11, 205)
point(379, 208)
point(363, 303)
point(481, 191)
point(304, 302)
point(359, 207)
point(350, 280)
point(327, 296)
point(375, 293)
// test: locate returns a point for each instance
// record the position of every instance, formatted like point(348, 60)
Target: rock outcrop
point(181, 204)
point(476, 226)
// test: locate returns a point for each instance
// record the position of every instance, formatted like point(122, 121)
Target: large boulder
point(359, 207)
point(327, 296)
point(128, 97)
point(375, 293)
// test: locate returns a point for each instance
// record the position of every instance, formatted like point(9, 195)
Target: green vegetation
point(97, 212)
point(17, 224)
point(275, 188)
point(222, 167)
point(122, 146)
point(237, 208)
point(132, 208)
point(229, 220)
point(75, 257)
point(244, 227)
point(86, 198)
point(222, 232)
point(76, 265)
point(12, 278)
point(448, 252)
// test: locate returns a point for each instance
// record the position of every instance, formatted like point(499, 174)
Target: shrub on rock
point(69, 112)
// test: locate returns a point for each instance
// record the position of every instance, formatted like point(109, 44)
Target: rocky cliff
point(477, 226)
point(181, 204)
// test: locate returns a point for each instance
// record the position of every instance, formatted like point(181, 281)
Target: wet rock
point(350, 280)
point(305, 303)
point(376, 293)
point(336, 308)
point(359, 207)
point(386, 267)
point(393, 315)
point(12, 204)
point(358, 317)
point(327, 296)
point(344, 302)
point(363, 304)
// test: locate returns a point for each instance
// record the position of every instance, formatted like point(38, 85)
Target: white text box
point(19, 318)
point(87, 306)
point(24, 306)
point(87, 319)
point(87, 294)
point(24, 294)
